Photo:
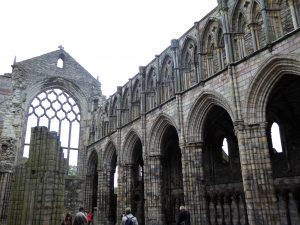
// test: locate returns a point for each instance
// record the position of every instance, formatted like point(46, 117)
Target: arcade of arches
point(212, 123)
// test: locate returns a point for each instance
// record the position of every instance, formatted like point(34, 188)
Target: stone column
point(153, 203)
point(193, 177)
point(121, 199)
point(158, 81)
point(142, 74)
point(119, 107)
point(256, 168)
point(266, 21)
point(293, 13)
point(252, 27)
point(223, 9)
point(178, 83)
point(103, 201)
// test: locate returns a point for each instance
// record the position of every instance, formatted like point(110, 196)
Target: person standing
point(184, 216)
point(128, 218)
point(80, 218)
point(68, 219)
point(89, 218)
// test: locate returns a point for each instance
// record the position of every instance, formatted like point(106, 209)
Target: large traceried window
point(57, 111)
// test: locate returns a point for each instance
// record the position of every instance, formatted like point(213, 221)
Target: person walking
point(184, 216)
point(80, 218)
point(128, 218)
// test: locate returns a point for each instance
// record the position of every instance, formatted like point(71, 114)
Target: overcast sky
point(110, 39)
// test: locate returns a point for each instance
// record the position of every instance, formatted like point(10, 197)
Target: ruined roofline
point(167, 48)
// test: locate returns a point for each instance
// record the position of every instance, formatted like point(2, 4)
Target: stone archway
point(92, 182)
point(172, 183)
point(133, 173)
point(224, 197)
point(107, 192)
point(283, 109)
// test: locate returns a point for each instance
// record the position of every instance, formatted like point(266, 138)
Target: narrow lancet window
point(276, 138)
point(225, 152)
point(116, 175)
point(60, 63)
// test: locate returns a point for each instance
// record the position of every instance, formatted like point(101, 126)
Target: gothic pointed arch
point(58, 104)
point(257, 26)
point(132, 156)
point(91, 185)
point(167, 78)
point(188, 63)
point(281, 18)
point(156, 132)
point(200, 108)
point(131, 139)
point(108, 195)
point(165, 159)
point(262, 83)
point(109, 155)
point(213, 47)
point(242, 41)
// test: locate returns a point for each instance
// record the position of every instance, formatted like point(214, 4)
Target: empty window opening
point(276, 138)
point(225, 152)
point(60, 63)
point(140, 175)
point(57, 111)
point(116, 175)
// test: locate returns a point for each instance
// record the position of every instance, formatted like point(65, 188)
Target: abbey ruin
point(212, 122)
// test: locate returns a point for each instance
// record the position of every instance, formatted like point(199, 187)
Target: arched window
point(276, 138)
point(60, 63)
point(59, 112)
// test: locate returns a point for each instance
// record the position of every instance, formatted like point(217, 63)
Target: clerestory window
point(59, 112)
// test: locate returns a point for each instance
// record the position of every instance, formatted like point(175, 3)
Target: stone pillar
point(153, 199)
point(37, 196)
point(177, 86)
point(266, 21)
point(198, 62)
point(121, 201)
point(128, 174)
point(193, 177)
point(293, 13)
point(142, 74)
point(119, 107)
point(223, 9)
point(88, 192)
point(253, 31)
point(256, 168)
point(158, 81)
point(103, 201)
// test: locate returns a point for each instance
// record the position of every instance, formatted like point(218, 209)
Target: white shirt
point(134, 219)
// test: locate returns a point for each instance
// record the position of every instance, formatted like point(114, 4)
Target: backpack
point(129, 221)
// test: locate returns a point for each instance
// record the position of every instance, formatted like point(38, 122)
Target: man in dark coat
point(183, 217)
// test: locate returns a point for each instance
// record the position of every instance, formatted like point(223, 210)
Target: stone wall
point(37, 195)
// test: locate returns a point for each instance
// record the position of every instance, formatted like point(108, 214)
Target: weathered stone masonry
point(226, 82)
